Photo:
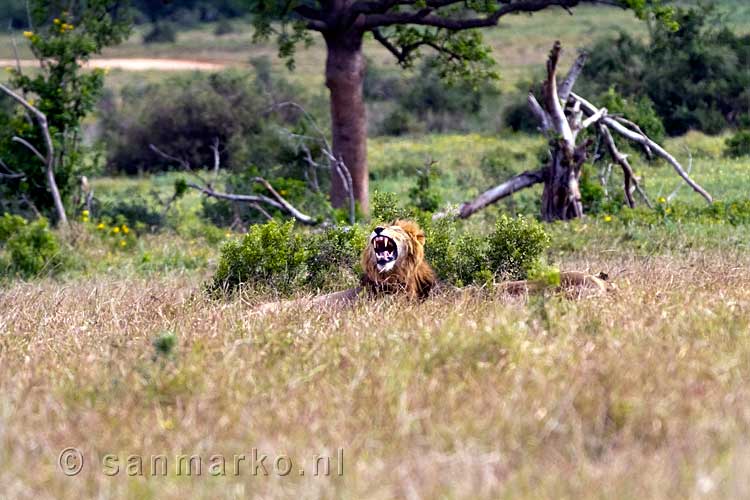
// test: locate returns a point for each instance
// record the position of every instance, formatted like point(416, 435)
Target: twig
point(689, 168)
point(280, 203)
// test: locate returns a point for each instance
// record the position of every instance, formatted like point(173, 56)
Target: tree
point(450, 27)
point(53, 102)
point(562, 116)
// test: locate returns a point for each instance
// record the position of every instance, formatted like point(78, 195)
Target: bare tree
point(562, 116)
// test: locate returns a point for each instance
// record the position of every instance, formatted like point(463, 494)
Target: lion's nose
point(379, 230)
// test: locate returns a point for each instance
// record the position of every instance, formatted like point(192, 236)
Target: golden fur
point(411, 273)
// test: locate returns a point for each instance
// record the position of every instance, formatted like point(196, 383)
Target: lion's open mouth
point(386, 252)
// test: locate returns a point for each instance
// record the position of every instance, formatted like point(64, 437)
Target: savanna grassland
point(641, 393)
point(470, 394)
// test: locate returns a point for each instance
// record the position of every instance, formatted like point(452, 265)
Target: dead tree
point(562, 116)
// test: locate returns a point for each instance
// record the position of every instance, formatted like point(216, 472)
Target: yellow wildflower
point(101, 226)
point(28, 34)
point(662, 199)
point(85, 219)
point(668, 210)
point(123, 243)
point(227, 235)
point(607, 218)
point(85, 213)
point(116, 230)
point(56, 21)
point(125, 229)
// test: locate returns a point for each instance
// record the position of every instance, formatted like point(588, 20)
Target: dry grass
point(640, 394)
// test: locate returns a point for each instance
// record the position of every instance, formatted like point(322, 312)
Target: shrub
point(184, 115)
point(423, 196)
point(30, 249)
point(161, 32)
point(639, 110)
point(458, 258)
point(516, 246)
point(270, 257)
point(738, 145)
point(273, 257)
point(696, 77)
point(384, 207)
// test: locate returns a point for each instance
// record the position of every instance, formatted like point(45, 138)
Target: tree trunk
point(561, 198)
point(345, 71)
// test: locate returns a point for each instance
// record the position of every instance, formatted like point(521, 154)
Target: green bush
point(696, 76)
point(184, 115)
point(738, 145)
point(458, 258)
point(271, 257)
point(161, 32)
point(385, 208)
point(515, 247)
point(274, 257)
point(277, 258)
point(639, 110)
point(28, 249)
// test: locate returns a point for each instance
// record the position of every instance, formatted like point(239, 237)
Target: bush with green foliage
point(66, 35)
point(274, 257)
point(160, 32)
point(738, 145)
point(697, 76)
point(426, 102)
point(515, 246)
point(28, 249)
point(277, 258)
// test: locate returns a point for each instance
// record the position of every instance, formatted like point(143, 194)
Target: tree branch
point(570, 79)
point(644, 140)
point(507, 188)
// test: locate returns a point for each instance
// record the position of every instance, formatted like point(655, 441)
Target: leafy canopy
point(449, 27)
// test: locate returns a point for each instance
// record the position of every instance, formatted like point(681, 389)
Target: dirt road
point(136, 64)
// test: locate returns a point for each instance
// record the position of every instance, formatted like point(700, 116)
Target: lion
point(393, 262)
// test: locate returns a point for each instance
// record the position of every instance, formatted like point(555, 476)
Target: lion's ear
point(420, 237)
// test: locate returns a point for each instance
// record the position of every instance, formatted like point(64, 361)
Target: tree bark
point(561, 198)
point(345, 71)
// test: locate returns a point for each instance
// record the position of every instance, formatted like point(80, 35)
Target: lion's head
point(393, 260)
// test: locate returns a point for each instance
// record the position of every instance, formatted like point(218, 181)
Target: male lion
point(393, 262)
